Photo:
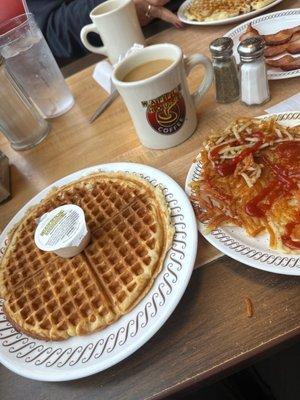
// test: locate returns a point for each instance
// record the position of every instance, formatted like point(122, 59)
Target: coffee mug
point(161, 107)
point(117, 24)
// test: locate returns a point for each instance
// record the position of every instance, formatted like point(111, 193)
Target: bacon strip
point(249, 32)
point(286, 63)
point(293, 47)
point(281, 37)
point(274, 39)
point(272, 51)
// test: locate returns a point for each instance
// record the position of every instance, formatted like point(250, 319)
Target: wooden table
point(209, 333)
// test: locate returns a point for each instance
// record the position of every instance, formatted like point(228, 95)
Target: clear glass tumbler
point(30, 61)
point(20, 122)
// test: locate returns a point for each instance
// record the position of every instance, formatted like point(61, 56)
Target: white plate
point(234, 242)
point(85, 355)
point(266, 24)
point(226, 21)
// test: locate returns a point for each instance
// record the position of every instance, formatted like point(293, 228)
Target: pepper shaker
point(253, 71)
point(225, 70)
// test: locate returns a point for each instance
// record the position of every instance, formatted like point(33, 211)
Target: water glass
point(29, 59)
point(20, 122)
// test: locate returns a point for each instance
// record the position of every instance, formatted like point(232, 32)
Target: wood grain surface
point(209, 332)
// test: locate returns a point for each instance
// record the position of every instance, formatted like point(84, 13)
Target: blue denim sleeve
point(61, 22)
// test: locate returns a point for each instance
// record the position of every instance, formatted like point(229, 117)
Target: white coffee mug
point(117, 24)
point(161, 107)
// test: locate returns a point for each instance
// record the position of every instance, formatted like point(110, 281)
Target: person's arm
point(61, 22)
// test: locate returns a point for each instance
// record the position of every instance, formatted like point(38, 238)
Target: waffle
point(51, 298)
point(214, 10)
point(257, 4)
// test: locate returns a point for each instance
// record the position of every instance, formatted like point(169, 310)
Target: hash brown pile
point(250, 177)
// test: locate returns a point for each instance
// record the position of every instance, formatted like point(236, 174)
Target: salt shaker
point(253, 72)
point(225, 70)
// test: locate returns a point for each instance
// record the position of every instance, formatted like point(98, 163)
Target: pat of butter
point(63, 231)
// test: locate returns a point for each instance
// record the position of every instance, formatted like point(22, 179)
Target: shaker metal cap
point(221, 47)
point(251, 48)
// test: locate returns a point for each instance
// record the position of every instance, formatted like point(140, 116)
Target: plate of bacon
point(281, 32)
point(244, 186)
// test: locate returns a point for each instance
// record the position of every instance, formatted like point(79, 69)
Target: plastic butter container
point(63, 231)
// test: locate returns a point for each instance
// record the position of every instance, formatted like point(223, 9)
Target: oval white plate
point(226, 21)
point(266, 24)
point(234, 242)
point(85, 355)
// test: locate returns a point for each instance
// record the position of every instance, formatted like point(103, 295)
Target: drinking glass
point(20, 122)
point(30, 61)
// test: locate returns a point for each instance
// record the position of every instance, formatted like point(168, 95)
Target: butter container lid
point(63, 231)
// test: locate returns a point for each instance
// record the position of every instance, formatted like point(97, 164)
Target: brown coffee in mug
point(153, 85)
point(147, 70)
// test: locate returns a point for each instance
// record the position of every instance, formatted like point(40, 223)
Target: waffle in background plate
point(52, 298)
point(257, 4)
point(214, 10)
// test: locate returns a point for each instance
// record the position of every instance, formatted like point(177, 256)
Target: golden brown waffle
point(63, 299)
point(257, 4)
point(53, 298)
point(211, 10)
point(214, 10)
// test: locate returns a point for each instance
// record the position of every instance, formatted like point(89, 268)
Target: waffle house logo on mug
point(166, 113)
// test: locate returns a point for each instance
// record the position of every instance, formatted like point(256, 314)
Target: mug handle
point(189, 63)
point(83, 36)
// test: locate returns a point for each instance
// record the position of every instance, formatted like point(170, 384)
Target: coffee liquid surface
point(147, 69)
